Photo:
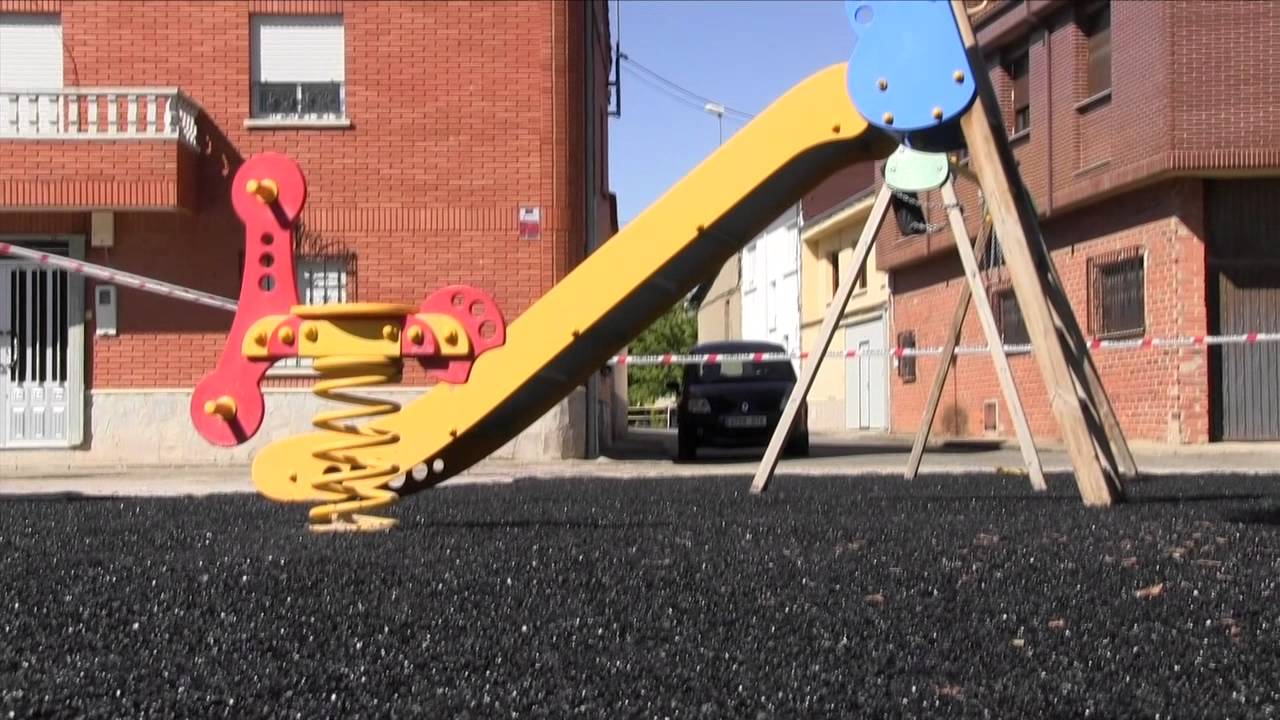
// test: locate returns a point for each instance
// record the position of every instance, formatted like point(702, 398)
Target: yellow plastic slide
point(682, 239)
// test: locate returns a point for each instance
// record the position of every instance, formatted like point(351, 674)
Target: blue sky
point(741, 53)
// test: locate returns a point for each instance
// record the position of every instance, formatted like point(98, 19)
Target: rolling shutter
point(298, 49)
point(30, 52)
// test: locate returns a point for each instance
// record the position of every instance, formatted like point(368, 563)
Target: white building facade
point(771, 283)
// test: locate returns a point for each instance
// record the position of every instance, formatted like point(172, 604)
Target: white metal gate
point(41, 383)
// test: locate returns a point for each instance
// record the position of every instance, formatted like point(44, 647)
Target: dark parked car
point(736, 403)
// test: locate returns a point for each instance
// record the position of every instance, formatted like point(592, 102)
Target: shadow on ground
point(646, 444)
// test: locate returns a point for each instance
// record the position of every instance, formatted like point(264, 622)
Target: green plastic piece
point(910, 170)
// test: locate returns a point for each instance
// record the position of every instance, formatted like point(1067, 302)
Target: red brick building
point(423, 130)
point(1146, 132)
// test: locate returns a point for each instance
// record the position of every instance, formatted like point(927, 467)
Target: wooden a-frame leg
point(879, 210)
point(983, 305)
point(1088, 371)
point(1014, 220)
point(1120, 456)
point(944, 364)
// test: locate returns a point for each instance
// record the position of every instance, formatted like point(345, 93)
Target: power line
point(682, 99)
point(701, 100)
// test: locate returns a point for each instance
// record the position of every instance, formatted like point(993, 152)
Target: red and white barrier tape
point(107, 274)
point(182, 293)
point(898, 352)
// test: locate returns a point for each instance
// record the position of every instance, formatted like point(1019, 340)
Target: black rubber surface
point(653, 598)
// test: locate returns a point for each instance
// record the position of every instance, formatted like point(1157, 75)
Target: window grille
point(1117, 289)
point(1013, 330)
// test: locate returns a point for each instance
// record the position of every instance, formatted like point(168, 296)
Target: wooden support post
point(944, 363)
point(1092, 381)
point(1015, 221)
point(992, 332)
point(879, 210)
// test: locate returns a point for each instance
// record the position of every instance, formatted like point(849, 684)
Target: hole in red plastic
point(268, 238)
point(488, 330)
point(266, 259)
point(267, 282)
point(459, 299)
point(477, 308)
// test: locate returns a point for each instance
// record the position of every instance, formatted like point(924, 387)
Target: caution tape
point(158, 287)
point(1196, 341)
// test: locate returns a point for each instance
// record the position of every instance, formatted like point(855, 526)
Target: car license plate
point(745, 421)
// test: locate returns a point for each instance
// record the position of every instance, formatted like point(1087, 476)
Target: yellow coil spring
point(364, 488)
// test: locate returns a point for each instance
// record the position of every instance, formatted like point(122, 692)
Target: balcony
point(98, 148)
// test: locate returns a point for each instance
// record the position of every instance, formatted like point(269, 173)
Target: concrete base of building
point(153, 428)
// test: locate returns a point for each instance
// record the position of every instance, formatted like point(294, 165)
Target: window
point(1117, 305)
point(1095, 23)
point(990, 415)
point(321, 280)
point(1019, 69)
point(1013, 331)
point(907, 363)
point(771, 304)
point(859, 282)
point(298, 67)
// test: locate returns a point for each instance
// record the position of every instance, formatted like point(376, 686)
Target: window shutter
point(1021, 84)
point(1100, 62)
point(292, 49)
point(30, 52)
point(1097, 28)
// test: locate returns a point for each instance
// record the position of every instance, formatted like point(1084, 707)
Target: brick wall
point(1190, 95)
point(54, 174)
point(1222, 80)
point(1159, 395)
point(460, 113)
point(1188, 99)
point(838, 188)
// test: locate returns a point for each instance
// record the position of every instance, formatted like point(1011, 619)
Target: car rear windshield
point(739, 371)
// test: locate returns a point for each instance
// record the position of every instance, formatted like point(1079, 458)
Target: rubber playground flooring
point(825, 597)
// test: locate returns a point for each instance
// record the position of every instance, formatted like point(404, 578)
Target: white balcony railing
point(98, 113)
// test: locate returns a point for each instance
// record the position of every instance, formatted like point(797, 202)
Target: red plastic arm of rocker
point(268, 193)
point(479, 316)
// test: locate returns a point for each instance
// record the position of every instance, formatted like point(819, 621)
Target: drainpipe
point(592, 393)
point(1048, 126)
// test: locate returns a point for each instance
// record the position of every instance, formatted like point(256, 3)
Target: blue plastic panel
point(904, 65)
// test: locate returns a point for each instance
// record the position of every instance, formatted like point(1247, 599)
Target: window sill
point(1094, 101)
point(855, 294)
point(296, 123)
point(1122, 335)
point(1020, 135)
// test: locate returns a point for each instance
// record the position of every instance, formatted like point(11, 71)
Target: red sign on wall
point(530, 222)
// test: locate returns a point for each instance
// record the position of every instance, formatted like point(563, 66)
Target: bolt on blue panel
point(908, 73)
